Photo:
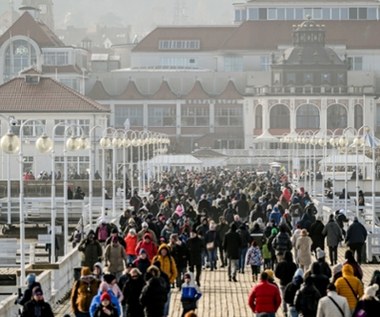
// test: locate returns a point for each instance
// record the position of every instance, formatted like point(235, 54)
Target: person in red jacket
point(264, 297)
point(148, 245)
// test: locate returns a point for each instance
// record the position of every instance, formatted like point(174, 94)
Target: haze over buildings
point(142, 15)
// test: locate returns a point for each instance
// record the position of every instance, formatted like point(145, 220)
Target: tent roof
point(175, 160)
point(341, 160)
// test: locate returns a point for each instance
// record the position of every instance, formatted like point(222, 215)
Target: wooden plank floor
point(222, 298)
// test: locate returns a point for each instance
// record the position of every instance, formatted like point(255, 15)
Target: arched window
point(259, 117)
point(19, 54)
point(307, 117)
point(358, 116)
point(336, 117)
point(279, 117)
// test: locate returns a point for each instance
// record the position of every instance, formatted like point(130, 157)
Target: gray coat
point(333, 233)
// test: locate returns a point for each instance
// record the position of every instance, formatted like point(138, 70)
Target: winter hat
point(105, 296)
point(37, 290)
point(298, 272)
point(99, 265)
point(370, 291)
point(142, 251)
point(179, 211)
point(274, 231)
point(144, 225)
point(31, 278)
point(337, 268)
point(320, 253)
point(304, 232)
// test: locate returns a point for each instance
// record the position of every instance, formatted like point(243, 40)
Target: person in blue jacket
point(190, 294)
point(104, 287)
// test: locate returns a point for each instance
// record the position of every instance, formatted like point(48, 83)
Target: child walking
point(190, 294)
point(254, 259)
point(267, 255)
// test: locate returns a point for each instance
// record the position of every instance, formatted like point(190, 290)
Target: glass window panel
point(317, 13)
point(243, 15)
point(308, 12)
point(228, 115)
point(335, 14)
point(326, 13)
point(353, 13)
point(272, 14)
point(253, 14)
point(344, 13)
point(237, 15)
point(281, 14)
point(262, 13)
point(362, 14)
point(279, 117)
point(289, 13)
point(336, 117)
point(299, 14)
point(371, 14)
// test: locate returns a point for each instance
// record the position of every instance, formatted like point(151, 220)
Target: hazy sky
point(143, 15)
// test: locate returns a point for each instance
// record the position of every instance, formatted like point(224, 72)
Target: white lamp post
point(105, 143)
point(11, 143)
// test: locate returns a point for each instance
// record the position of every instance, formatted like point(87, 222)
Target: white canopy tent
point(364, 164)
point(176, 162)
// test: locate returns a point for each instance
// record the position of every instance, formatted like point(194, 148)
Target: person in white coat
point(333, 304)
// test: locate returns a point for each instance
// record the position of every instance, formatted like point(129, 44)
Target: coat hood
point(163, 246)
point(347, 270)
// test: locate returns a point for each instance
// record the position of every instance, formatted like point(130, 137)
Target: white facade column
point(351, 113)
point(264, 103)
point(178, 118)
point(145, 115)
point(249, 122)
point(293, 116)
point(212, 116)
point(323, 115)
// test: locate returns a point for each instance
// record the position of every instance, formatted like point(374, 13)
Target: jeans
point(293, 311)
point(212, 258)
point(232, 267)
point(243, 253)
point(130, 258)
point(166, 307)
point(265, 314)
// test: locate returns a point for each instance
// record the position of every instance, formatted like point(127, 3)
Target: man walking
point(355, 238)
point(232, 245)
point(264, 298)
point(333, 235)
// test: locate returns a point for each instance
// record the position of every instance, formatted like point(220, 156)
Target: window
point(253, 14)
point(33, 128)
point(344, 13)
point(326, 14)
point(262, 13)
point(280, 14)
point(72, 127)
point(335, 14)
point(19, 55)
point(325, 78)
point(233, 63)
point(358, 116)
point(178, 62)
point(134, 113)
point(355, 63)
point(289, 13)
point(75, 165)
point(290, 78)
point(307, 117)
point(371, 14)
point(28, 163)
point(259, 117)
point(307, 78)
point(272, 14)
point(279, 117)
point(237, 15)
point(308, 12)
point(56, 58)
point(353, 13)
point(162, 116)
point(243, 15)
point(228, 115)
point(179, 45)
point(317, 13)
point(299, 14)
point(265, 62)
point(195, 116)
point(362, 14)
point(336, 117)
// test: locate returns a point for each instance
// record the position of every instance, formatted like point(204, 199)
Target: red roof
point(164, 92)
point(130, 92)
point(45, 95)
point(230, 92)
point(39, 32)
point(197, 92)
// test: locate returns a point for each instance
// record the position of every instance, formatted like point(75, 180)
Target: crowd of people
point(239, 219)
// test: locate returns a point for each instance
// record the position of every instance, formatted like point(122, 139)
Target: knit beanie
point(337, 268)
point(320, 253)
point(105, 296)
point(370, 291)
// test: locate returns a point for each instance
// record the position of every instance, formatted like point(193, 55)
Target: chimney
point(33, 11)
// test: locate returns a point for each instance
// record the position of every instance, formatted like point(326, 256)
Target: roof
point(197, 92)
point(45, 95)
point(130, 92)
point(339, 160)
point(164, 92)
point(61, 69)
point(176, 160)
point(98, 92)
point(210, 37)
point(230, 92)
point(263, 35)
point(39, 32)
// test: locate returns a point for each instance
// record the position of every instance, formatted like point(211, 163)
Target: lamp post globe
point(44, 144)
point(10, 143)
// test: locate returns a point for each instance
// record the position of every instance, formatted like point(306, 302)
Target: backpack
point(103, 233)
point(308, 302)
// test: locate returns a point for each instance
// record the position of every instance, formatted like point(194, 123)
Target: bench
point(8, 248)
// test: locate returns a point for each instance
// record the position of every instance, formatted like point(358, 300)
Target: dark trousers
point(333, 254)
point(357, 247)
point(198, 269)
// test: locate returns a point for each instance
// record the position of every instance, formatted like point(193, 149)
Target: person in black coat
point(37, 304)
point(316, 235)
point(284, 272)
point(27, 296)
point(320, 280)
point(132, 291)
point(231, 245)
point(195, 246)
point(153, 295)
point(355, 238)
